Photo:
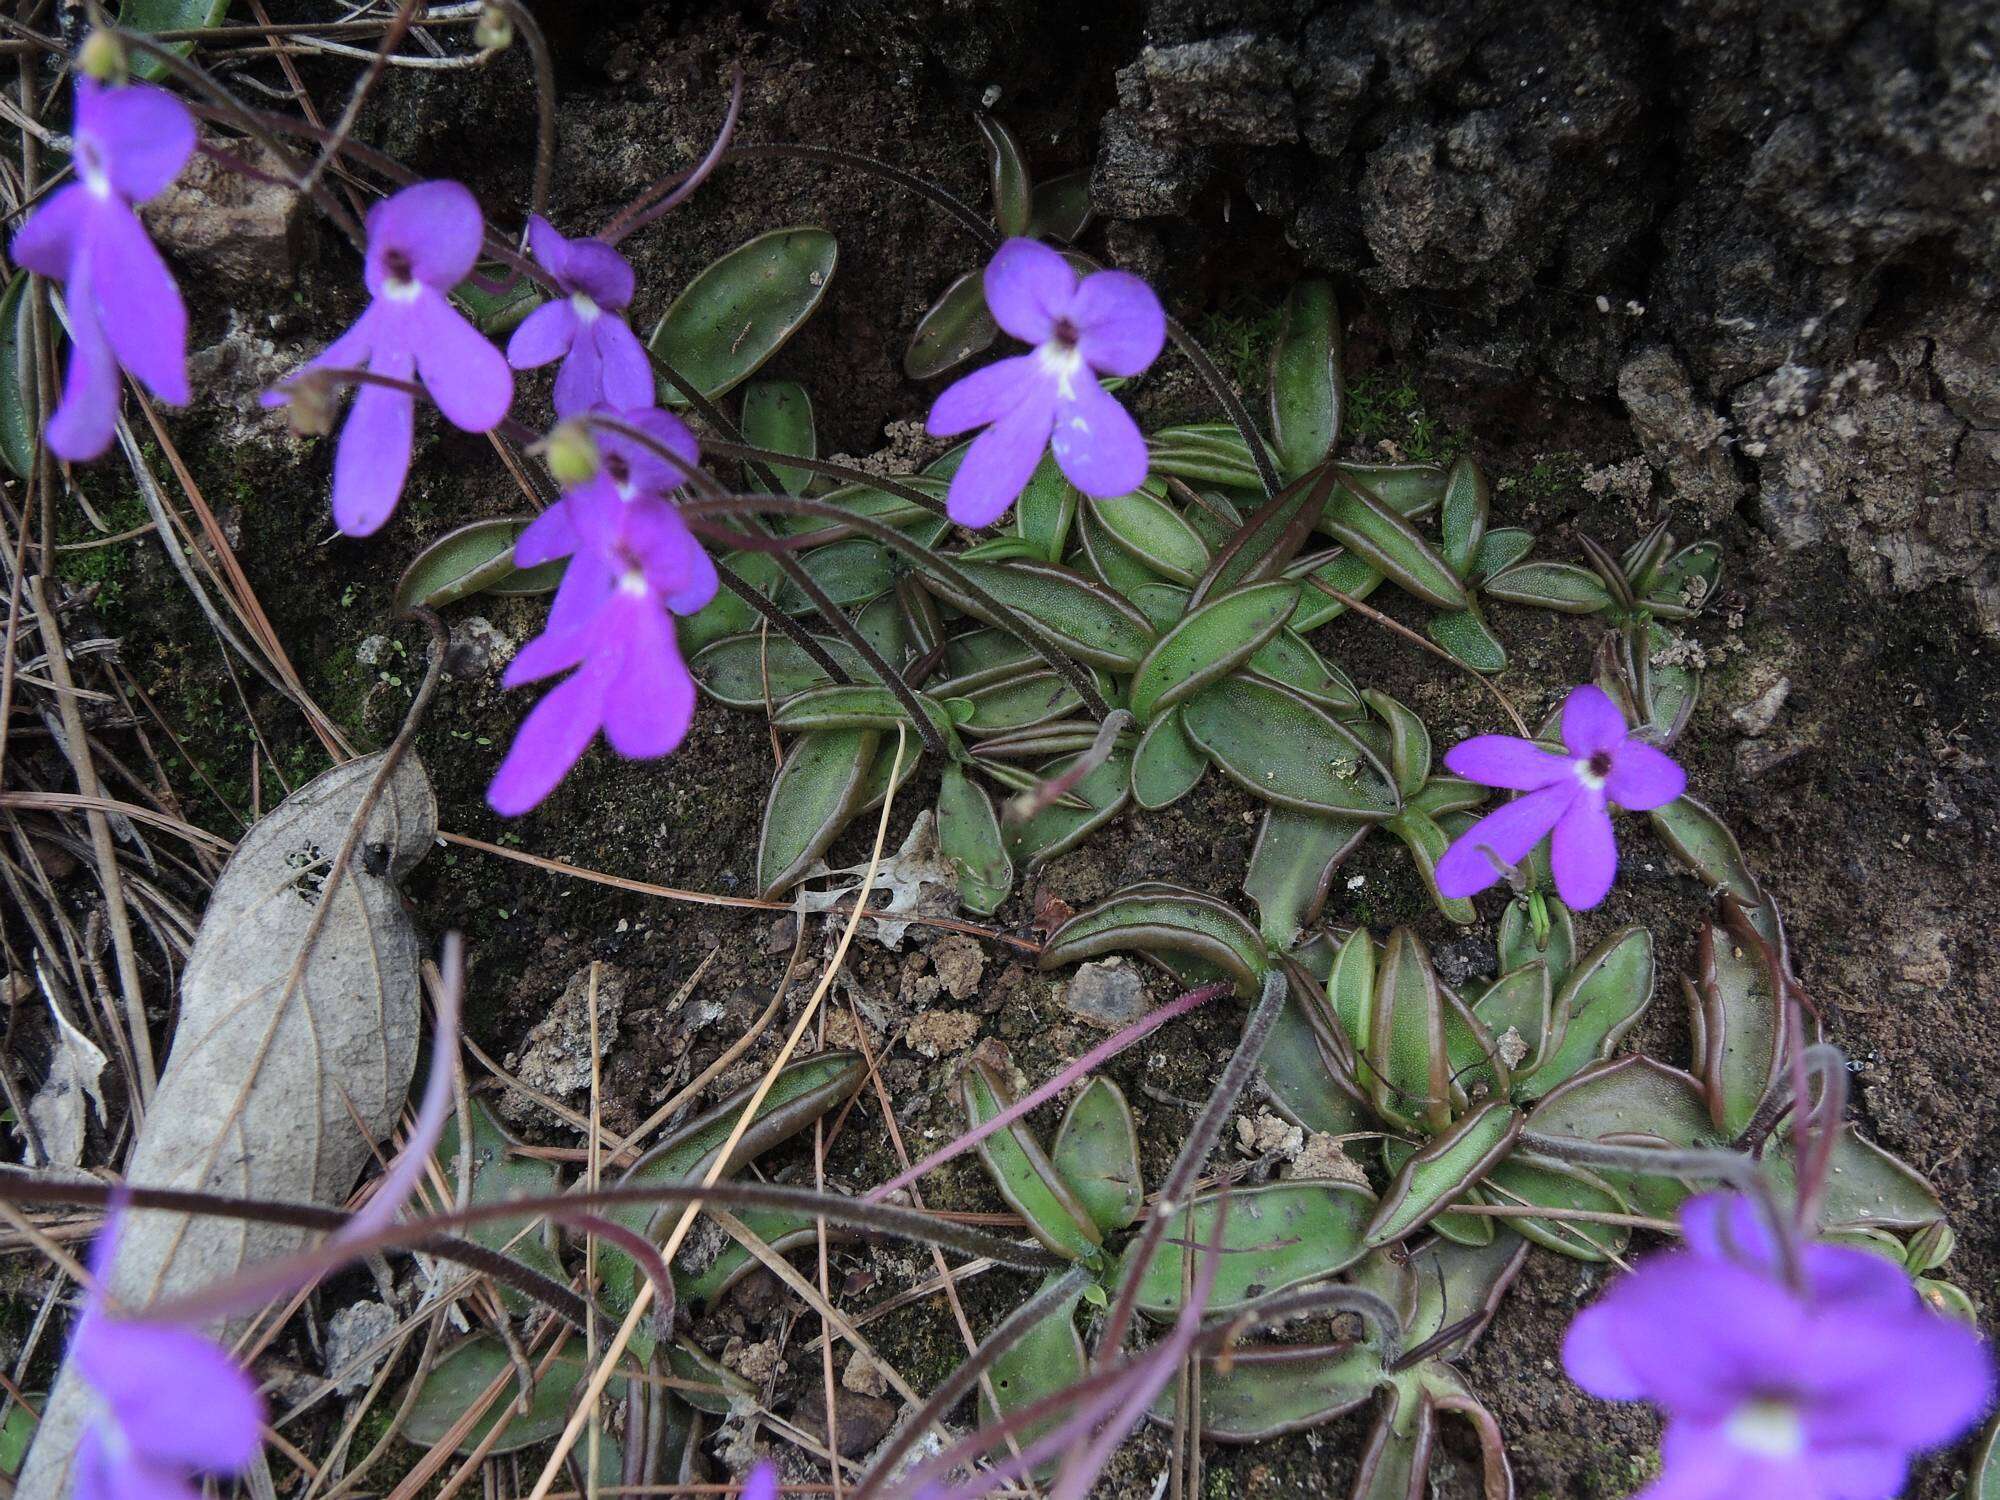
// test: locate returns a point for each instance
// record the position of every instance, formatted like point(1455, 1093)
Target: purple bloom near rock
point(762, 1483)
point(1568, 794)
point(1820, 1391)
point(123, 307)
point(1107, 323)
point(172, 1402)
point(632, 560)
point(603, 362)
point(422, 242)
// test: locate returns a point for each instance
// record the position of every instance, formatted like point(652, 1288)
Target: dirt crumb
point(1322, 1157)
point(938, 1032)
point(556, 1059)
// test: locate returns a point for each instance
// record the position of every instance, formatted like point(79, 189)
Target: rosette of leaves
point(1083, 1191)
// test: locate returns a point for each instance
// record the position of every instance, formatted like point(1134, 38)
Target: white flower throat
point(1767, 1428)
point(1061, 360)
point(585, 309)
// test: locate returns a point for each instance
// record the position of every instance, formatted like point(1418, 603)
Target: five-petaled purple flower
point(603, 362)
point(1820, 1391)
point(422, 242)
point(632, 558)
point(1108, 323)
point(172, 1402)
point(1567, 793)
point(123, 306)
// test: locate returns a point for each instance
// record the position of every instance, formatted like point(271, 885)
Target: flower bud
point(1930, 1247)
point(494, 30)
point(310, 410)
point(103, 58)
point(571, 454)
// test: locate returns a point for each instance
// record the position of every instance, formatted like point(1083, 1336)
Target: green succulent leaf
point(1048, 1358)
point(1022, 1171)
point(1633, 1101)
point(167, 15)
point(1306, 1069)
point(742, 309)
point(1031, 699)
point(1204, 453)
point(1284, 748)
point(737, 669)
point(1097, 1153)
point(497, 1176)
point(1686, 582)
point(1866, 1187)
point(1279, 1235)
point(852, 572)
point(1340, 570)
point(726, 614)
point(1463, 514)
point(1266, 1391)
point(1376, 531)
point(1559, 586)
point(500, 309)
point(1411, 490)
point(778, 415)
point(1056, 830)
point(816, 792)
point(869, 503)
point(1209, 643)
point(1062, 207)
point(956, 327)
point(1155, 535)
point(969, 839)
point(1087, 620)
point(1437, 1175)
point(1427, 843)
point(1046, 510)
point(1702, 841)
point(1305, 378)
point(1167, 765)
point(1521, 1001)
point(1159, 918)
point(17, 375)
point(1499, 550)
point(1542, 1182)
point(1466, 635)
point(1440, 795)
point(1289, 659)
point(860, 705)
point(1264, 545)
point(1409, 743)
point(461, 563)
point(1396, 1463)
point(1985, 1466)
point(462, 1375)
point(1599, 1002)
point(1350, 989)
point(1292, 865)
point(1412, 1076)
point(1117, 569)
point(1741, 1034)
point(1518, 944)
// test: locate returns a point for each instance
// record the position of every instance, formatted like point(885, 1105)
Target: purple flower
point(762, 1483)
point(1567, 793)
point(1109, 323)
point(124, 309)
point(172, 1402)
point(602, 360)
point(1817, 1392)
point(422, 242)
point(632, 558)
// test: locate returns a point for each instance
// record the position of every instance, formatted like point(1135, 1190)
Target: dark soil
point(1868, 805)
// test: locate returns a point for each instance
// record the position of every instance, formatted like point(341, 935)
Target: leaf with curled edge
point(296, 1041)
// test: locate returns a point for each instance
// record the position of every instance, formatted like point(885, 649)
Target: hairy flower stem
point(832, 156)
point(1201, 1136)
point(793, 631)
point(888, 484)
point(545, 101)
point(647, 207)
point(1009, 620)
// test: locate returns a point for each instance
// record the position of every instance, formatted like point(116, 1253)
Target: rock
point(1109, 993)
point(756, 1362)
point(1264, 1134)
point(1471, 957)
point(937, 1032)
point(863, 1376)
point(1683, 439)
point(862, 1422)
point(1233, 90)
point(478, 648)
point(1322, 1157)
point(960, 963)
point(556, 1059)
point(349, 1332)
point(1137, 177)
point(232, 227)
point(1757, 716)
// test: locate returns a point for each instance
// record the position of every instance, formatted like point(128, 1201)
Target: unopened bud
point(309, 409)
point(571, 454)
point(103, 58)
point(494, 29)
point(1930, 1247)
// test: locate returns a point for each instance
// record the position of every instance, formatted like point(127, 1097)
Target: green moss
point(1386, 406)
point(1238, 336)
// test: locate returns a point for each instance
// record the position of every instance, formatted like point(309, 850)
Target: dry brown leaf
point(299, 1001)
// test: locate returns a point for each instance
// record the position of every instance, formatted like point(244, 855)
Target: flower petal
point(676, 564)
point(1857, 1472)
point(550, 535)
point(1097, 444)
point(144, 133)
point(646, 471)
point(550, 652)
point(350, 351)
point(47, 243)
point(1698, 1462)
point(580, 381)
point(177, 1397)
point(1001, 460)
point(650, 707)
point(586, 587)
point(986, 395)
point(1505, 761)
point(85, 418)
point(1858, 1280)
point(1731, 1227)
point(464, 373)
point(600, 273)
point(1120, 322)
point(1910, 1380)
point(628, 374)
point(1591, 721)
point(548, 245)
point(545, 334)
point(104, 1472)
point(1643, 778)
point(373, 456)
point(1592, 1357)
point(550, 740)
point(1479, 857)
point(1028, 286)
point(436, 225)
point(1584, 855)
point(762, 1483)
point(144, 317)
